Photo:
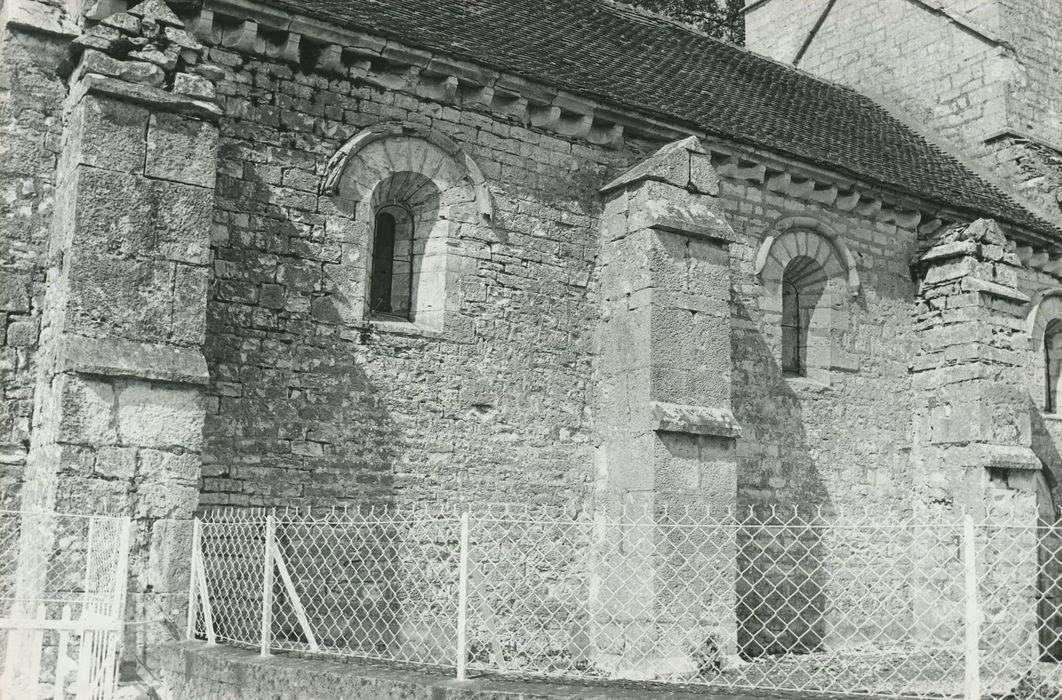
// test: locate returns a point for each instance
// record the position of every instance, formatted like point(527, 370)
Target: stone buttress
point(971, 449)
point(665, 429)
point(119, 406)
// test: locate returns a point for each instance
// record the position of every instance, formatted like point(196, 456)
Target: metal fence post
point(462, 602)
point(189, 628)
point(972, 689)
point(267, 584)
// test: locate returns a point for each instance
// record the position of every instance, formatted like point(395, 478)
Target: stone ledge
point(695, 221)
point(145, 95)
point(693, 420)
point(117, 357)
point(39, 17)
point(955, 249)
point(994, 289)
point(193, 670)
point(998, 457)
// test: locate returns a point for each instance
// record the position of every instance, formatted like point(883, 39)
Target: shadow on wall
point(297, 420)
point(782, 582)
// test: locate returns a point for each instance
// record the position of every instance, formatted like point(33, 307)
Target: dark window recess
point(1052, 365)
point(383, 264)
point(794, 331)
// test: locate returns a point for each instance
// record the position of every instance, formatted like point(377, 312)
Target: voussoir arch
point(1046, 306)
point(403, 160)
point(804, 236)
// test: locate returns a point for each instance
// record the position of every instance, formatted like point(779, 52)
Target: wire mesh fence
point(62, 602)
point(914, 605)
point(378, 584)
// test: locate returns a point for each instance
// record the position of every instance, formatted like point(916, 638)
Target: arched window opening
point(803, 282)
point(391, 279)
point(793, 334)
point(1052, 365)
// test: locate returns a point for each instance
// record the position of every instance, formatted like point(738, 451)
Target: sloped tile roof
point(600, 50)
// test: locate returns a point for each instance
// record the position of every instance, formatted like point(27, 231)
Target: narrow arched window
point(803, 282)
point(383, 254)
point(794, 334)
point(391, 281)
point(1052, 364)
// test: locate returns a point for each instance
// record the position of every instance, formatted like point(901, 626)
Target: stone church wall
point(306, 409)
point(804, 442)
point(900, 50)
point(842, 446)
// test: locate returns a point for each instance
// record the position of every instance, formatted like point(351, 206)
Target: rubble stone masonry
point(597, 312)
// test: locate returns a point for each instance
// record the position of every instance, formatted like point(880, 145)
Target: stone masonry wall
point(31, 96)
point(987, 83)
point(897, 48)
point(1034, 28)
point(805, 445)
point(802, 442)
point(306, 409)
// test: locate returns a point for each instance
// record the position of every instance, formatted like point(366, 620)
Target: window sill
point(805, 383)
point(1053, 417)
point(399, 326)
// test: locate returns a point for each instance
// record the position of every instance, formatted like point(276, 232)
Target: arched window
point(807, 271)
point(1052, 365)
point(803, 282)
point(391, 281)
point(407, 198)
point(1044, 326)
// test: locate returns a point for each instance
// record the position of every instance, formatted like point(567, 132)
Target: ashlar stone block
point(106, 133)
point(168, 566)
point(160, 416)
point(86, 411)
point(157, 219)
point(182, 150)
point(118, 296)
point(14, 293)
point(189, 304)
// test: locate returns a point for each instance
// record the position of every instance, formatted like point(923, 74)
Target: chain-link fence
point(377, 583)
point(915, 605)
point(62, 604)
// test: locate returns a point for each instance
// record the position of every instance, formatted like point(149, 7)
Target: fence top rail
point(766, 517)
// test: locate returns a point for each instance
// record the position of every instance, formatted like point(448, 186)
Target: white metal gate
point(62, 602)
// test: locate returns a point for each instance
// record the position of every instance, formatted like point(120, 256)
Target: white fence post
point(189, 628)
point(972, 690)
point(462, 602)
point(267, 584)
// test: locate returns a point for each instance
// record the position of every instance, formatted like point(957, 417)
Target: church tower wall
point(982, 75)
